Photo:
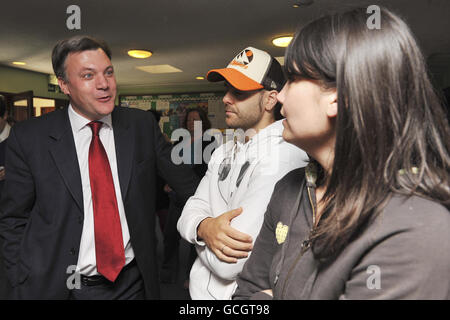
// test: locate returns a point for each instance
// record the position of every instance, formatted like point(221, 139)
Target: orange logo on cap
point(243, 59)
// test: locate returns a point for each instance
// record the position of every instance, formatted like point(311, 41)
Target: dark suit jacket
point(2, 161)
point(3, 281)
point(41, 211)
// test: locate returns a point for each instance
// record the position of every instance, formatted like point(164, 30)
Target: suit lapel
point(63, 151)
point(124, 143)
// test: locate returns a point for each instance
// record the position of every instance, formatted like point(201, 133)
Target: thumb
point(234, 213)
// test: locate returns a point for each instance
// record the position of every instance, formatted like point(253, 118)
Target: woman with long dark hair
point(369, 216)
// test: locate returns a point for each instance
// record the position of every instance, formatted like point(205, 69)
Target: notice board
point(173, 107)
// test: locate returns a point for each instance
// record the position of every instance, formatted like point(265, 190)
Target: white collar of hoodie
point(261, 140)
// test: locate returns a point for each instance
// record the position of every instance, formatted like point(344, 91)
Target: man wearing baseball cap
point(225, 215)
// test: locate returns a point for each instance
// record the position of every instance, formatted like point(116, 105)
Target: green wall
point(142, 90)
point(16, 80)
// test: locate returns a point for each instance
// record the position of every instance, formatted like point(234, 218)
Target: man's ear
point(270, 100)
point(332, 107)
point(63, 85)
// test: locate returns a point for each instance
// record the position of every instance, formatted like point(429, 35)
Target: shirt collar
point(78, 122)
point(5, 132)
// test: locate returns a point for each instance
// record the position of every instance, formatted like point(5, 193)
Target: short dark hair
point(2, 106)
point(206, 124)
point(74, 44)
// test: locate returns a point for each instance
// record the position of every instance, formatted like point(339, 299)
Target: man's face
point(90, 82)
point(243, 109)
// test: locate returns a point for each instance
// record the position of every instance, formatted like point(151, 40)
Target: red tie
point(109, 249)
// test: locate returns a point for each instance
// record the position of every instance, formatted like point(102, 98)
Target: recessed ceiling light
point(303, 3)
point(200, 78)
point(140, 54)
point(19, 63)
point(282, 41)
point(161, 68)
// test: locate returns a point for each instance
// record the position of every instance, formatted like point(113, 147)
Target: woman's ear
point(332, 107)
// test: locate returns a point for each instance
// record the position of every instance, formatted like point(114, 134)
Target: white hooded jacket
point(239, 175)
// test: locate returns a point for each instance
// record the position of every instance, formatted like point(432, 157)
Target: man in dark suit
point(3, 281)
point(77, 213)
point(2, 164)
point(3, 137)
point(4, 132)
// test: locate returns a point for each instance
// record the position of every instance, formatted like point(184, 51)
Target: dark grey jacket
point(404, 253)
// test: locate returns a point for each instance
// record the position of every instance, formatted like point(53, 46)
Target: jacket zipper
point(306, 244)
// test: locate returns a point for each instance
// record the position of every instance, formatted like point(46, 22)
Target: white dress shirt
point(82, 134)
point(5, 132)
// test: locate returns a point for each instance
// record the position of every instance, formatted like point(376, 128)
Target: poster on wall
point(173, 108)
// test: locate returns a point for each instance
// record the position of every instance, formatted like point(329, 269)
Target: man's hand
point(227, 243)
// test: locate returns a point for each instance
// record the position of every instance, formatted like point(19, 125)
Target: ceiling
point(191, 35)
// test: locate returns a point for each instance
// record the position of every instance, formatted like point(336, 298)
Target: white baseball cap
point(251, 69)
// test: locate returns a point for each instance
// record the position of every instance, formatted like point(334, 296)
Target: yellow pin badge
point(281, 232)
